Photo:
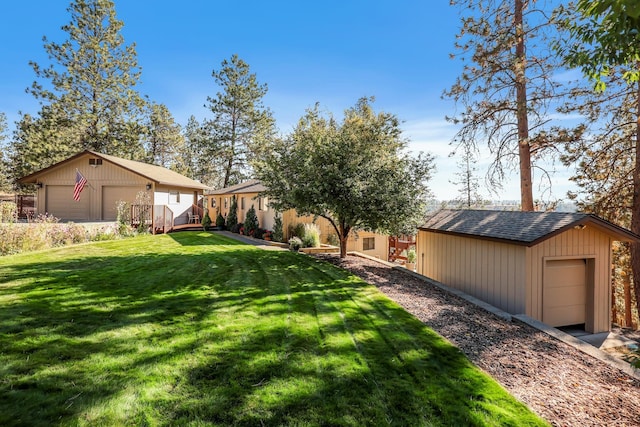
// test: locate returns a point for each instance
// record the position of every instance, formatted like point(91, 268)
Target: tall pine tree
point(165, 139)
point(87, 93)
point(506, 89)
point(241, 125)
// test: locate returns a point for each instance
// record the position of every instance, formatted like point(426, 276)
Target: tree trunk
point(626, 283)
point(635, 210)
point(524, 149)
point(614, 310)
point(343, 246)
point(343, 234)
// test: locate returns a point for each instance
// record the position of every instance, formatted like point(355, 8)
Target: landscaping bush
point(251, 222)
point(278, 233)
point(236, 227)
point(45, 232)
point(220, 221)
point(8, 212)
point(232, 216)
point(296, 230)
point(206, 221)
point(333, 239)
point(295, 243)
point(411, 255)
point(311, 236)
point(259, 233)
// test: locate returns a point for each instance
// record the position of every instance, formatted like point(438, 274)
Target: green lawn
point(196, 329)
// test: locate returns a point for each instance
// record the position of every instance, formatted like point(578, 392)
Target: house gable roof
point(157, 174)
point(517, 227)
point(250, 186)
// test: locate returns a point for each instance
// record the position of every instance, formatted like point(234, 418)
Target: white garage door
point(111, 195)
point(60, 203)
point(565, 292)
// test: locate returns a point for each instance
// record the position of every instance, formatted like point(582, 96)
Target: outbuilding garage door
point(60, 203)
point(111, 195)
point(565, 292)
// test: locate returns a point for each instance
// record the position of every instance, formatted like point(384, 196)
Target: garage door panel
point(565, 295)
point(565, 316)
point(60, 203)
point(565, 292)
point(111, 195)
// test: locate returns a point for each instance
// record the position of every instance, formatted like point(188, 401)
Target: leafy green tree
point(604, 41)
point(241, 125)
point(88, 91)
point(356, 173)
point(165, 139)
point(505, 88)
point(607, 34)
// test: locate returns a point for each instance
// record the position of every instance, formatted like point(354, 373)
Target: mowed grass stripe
point(196, 329)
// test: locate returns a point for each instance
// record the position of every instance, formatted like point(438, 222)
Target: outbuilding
point(552, 266)
point(109, 179)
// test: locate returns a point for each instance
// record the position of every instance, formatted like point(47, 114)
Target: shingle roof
point(157, 174)
point(527, 228)
point(250, 186)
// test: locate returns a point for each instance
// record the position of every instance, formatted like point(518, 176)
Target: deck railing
point(198, 211)
point(141, 216)
point(162, 219)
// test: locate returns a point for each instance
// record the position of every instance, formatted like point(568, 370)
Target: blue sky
point(332, 52)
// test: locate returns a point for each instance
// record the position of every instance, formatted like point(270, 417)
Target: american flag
point(80, 183)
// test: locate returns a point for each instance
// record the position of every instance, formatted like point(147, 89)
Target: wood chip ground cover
point(560, 383)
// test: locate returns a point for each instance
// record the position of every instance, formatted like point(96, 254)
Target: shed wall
point(491, 271)
point(588, 243)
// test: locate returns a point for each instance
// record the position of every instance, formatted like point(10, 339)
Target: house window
point(368, 243)
point(95, 162)
point(226, 202)
point(242, 203)
point(213, 202)
point(262, 204)
point(174, 197)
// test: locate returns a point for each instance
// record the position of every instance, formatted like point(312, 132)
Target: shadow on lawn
point(224, 336)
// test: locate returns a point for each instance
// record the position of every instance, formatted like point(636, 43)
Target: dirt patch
point(558, 382)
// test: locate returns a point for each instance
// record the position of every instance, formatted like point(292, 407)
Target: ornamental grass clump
point(311, 237)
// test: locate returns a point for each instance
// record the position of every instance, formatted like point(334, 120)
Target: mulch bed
point(561, 384)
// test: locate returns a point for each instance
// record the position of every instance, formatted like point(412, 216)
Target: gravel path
point(558, 382)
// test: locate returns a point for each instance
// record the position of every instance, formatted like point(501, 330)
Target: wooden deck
point(187, 227)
